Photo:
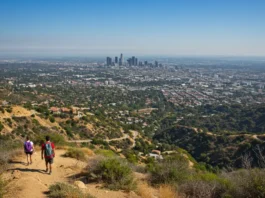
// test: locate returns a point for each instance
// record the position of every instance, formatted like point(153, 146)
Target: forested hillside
point(222, 150)
point(233, 118)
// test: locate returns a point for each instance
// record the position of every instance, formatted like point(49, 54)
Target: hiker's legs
point(27, 158)
point(51, 162)
point(46, 162)
point(30, 158)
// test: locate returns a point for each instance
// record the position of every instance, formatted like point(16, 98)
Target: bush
point(62, 190)
point(99, 141)
point(247, 183)
point(172, 170)
point(2, 110)
point(51, 118)
point(9, 109)
point(131, 157)
point(105, 153)
point(200, 189)
point(78, 153)
point(36, 122)
point(116, 174)
point(8, 150)
point(204, 185)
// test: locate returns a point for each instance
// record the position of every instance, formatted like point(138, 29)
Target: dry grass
point(79, 153)
point(144, 190)
point(62, 190)
point(62, 147)
point(15, 154)
point(88, 152)
point(166, 191)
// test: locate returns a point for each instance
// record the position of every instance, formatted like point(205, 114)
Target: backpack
point(48, 150)
point(28, 147)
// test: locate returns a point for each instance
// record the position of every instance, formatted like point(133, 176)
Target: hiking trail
point(32, 181)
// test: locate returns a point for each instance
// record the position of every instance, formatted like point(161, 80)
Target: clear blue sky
point(140, 27)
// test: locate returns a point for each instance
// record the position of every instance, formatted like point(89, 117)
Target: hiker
point(47, 151)
point(28, 148)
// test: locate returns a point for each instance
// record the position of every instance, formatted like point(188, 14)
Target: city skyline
point(131, 61)
point(163, 28)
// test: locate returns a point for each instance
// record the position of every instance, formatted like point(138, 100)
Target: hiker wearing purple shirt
point(28, 148)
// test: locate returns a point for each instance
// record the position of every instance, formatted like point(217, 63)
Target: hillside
point(222, 150)
point(17, 122)
point(228, 118)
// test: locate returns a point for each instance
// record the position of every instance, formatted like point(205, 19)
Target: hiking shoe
point(46, 170)
point(50, 172)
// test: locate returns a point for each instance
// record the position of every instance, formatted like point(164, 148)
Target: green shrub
point(62, 190)
point(132, 158)
point(116, 174)
point(171, 170)
point(99, 141)
point(202, 189)
point(247, 183)
point(36, 122)
point(9, 109)
point(105, 153)
point(51, 118)
point(204, 185)
point(2, 109)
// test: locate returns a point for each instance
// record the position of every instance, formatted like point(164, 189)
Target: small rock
point(80, 184)
point(106, 191)
point(61, 166)
point(16, 174)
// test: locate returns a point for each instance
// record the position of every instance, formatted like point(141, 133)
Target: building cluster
point(117, 61)
point(133, 61)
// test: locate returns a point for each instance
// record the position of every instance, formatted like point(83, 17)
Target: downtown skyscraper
point(121, 60)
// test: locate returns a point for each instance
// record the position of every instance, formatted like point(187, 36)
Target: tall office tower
point(129, 61)
point(156, 64)
point(109, 61)
point(133, 60)
point(140, 63)
point(116, 59)
point(145, 63)
point(121, 60)
point(136, 62)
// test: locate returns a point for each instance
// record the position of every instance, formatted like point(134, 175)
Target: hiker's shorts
point(29, 153)
point(49, 160)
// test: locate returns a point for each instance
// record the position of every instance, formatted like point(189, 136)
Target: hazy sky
point(139, 27)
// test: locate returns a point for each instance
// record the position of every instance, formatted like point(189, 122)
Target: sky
point(135, 27)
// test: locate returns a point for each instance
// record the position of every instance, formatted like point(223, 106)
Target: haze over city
point(139, 27)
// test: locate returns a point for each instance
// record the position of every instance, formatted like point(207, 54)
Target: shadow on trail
point(29, 170)
point(17, 162)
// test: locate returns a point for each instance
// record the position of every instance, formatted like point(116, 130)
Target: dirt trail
point(125, 136)
point(33, 181)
